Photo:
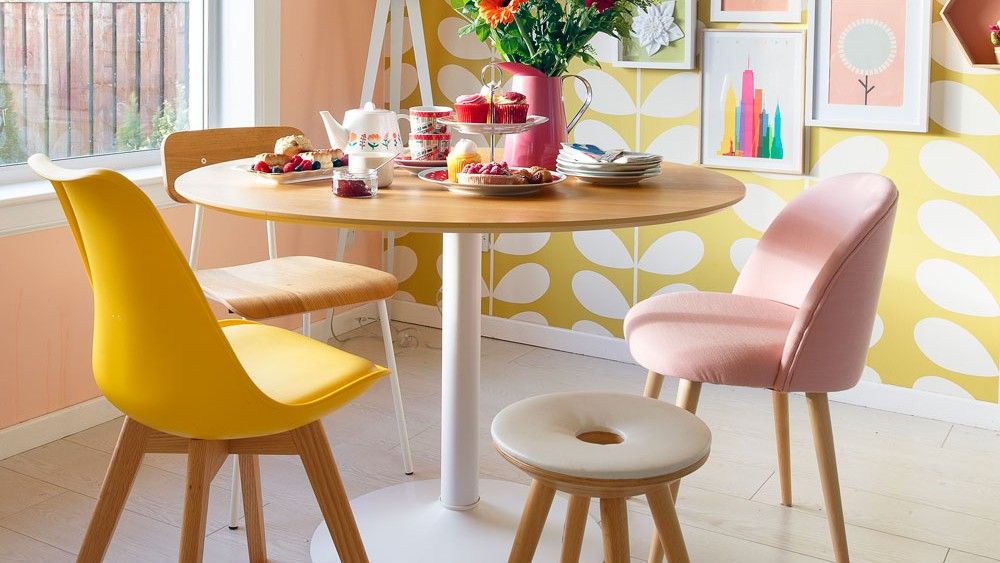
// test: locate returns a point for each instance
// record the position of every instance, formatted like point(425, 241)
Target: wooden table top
point(412, 204)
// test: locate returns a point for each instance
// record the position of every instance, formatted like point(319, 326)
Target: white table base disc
point(407, 523)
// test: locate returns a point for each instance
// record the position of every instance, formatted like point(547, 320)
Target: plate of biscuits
point(494, 179)
point(295, 160)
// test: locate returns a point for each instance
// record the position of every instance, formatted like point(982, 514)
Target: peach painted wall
point(45, 301)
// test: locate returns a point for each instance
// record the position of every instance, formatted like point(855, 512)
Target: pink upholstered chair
point(798, 320)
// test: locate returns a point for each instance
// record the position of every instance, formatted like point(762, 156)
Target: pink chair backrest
point(825, 254)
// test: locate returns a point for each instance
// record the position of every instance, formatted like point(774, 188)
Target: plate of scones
point(295, 160)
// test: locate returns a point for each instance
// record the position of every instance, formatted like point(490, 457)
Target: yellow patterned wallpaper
point(938, 327)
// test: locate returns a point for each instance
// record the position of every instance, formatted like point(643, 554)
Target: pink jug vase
point(540, 145)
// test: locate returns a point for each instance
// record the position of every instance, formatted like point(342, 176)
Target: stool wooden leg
point(781, 435)
point(819, 412)
point(576, 525)
point(314, 449)
point(114, 491)
point(253, 507)
point(204, 460)
point(668, 527)
point(614, 529)
point(654, 384)
point(688, 393)
point(655, 548)
point(529, 529)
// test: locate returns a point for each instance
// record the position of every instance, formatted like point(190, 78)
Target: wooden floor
point(915, 490)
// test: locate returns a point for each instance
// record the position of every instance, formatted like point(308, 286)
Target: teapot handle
point(586, 102)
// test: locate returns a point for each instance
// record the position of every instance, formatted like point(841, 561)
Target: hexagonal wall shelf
point(969, 21)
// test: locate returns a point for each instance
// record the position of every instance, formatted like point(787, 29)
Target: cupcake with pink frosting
point(474, 108)
point(511, 107)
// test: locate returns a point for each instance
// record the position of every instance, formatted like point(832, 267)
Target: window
point(86, 78)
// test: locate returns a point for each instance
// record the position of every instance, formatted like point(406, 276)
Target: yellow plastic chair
point(191, 384)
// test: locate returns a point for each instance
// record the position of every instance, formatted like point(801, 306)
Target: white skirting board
point(874, 395)
point(81, 416)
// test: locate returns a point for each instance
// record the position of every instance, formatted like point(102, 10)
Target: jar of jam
point(355, 184)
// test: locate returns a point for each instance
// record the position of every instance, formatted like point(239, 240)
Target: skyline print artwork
point(753, 89)
point(749, 130)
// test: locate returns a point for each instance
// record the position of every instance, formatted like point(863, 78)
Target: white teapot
point(366, 129)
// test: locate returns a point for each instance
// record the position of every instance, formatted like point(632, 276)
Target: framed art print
point(781, 11)
point(752, 100)
point(869, 64)
point(663, 36)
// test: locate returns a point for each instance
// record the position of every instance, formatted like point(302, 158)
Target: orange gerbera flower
point(497, 12)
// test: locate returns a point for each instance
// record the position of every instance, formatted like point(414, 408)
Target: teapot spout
point(335, 131)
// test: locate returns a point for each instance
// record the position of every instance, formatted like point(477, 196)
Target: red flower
point(601, 4)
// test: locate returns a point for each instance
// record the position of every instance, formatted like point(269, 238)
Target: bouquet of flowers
point(547, 34)
point(995, 34)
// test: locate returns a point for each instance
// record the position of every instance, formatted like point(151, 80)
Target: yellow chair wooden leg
point(529, 529)
point(781, 435)
point(819, 413)
point(314, 449)
point(204, 460)
point(253, 507)
point(574, 529)
point(114, 491)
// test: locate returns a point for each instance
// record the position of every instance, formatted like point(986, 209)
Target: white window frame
point(29, 204)
point(20, 173)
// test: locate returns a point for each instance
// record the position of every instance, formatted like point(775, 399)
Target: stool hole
point(601, 437)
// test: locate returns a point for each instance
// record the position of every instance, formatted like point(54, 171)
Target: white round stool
point(606, 445)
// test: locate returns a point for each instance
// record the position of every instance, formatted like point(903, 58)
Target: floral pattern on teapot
point(389, 141)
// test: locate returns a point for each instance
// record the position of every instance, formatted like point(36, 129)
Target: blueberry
point(316, 165)
point(275, 170)
point(338, 163)
point(298, 168)
point(253, 167)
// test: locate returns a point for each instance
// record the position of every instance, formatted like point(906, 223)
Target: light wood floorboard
point(915, 490)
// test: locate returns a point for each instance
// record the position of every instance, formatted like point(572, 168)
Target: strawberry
point(262, 167)
point(297, 160)
point(306, 164)
point(288, 167)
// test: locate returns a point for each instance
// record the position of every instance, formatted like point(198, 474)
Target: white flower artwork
point(654, 28)
point(867, 47)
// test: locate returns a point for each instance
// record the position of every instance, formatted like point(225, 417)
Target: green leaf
point(589, 59)
point(466, 29)
point(482, 29)
point(458, 4)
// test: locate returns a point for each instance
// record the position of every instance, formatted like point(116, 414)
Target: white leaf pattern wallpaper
point(938, 328)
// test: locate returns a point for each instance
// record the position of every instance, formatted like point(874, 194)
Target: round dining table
point(459, 517)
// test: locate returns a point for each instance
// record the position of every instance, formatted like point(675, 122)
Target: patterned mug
point(425, 120)
point(430, 147)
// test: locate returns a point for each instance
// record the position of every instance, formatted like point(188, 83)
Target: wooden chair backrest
point(184, 151)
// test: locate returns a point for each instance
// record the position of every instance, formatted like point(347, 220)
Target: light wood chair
point(278, 286)
point(798, 320)
point(610, 446)
point(189, 384)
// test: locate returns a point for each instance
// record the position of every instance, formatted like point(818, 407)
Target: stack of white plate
point(628, 170)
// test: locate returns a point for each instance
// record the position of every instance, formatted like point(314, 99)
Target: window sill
point(32, 206)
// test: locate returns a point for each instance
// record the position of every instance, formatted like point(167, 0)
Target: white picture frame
point(728, 62)
point(689, 24)
point(911, 116)
point(793, 14)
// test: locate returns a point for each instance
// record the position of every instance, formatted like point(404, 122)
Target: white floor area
point(914, 490)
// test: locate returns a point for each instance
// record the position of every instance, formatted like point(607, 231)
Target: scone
point(273, 159)
point(293, 145)
point(324, 157)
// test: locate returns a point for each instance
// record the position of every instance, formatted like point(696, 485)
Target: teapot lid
point(369, 107)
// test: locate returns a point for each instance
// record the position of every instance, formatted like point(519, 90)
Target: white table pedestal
point(407, 523)
point(457, 518)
